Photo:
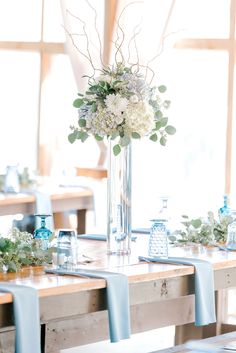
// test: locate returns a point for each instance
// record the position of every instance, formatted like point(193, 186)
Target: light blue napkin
point(102, 237)
point(26, 317)
point(204, 286)
point(117, 299)
point(141, 230)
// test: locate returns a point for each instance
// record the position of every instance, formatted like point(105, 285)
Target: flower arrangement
point(120, 103)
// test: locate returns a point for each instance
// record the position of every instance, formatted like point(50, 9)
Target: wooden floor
point(139, 343)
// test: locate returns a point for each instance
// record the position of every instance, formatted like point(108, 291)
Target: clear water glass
point(66, 249)
point(158, 241)
point(231, 232)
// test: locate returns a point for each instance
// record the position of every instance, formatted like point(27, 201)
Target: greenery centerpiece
point(19, 249)
point(208, 230)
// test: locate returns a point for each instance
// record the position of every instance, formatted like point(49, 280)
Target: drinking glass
point(231, 232)
point(66, 249)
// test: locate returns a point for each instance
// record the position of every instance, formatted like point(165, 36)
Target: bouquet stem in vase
point(119, 201)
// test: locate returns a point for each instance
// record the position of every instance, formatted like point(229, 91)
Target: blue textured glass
point(43, 232)
point(158, 241)
point(119, 201)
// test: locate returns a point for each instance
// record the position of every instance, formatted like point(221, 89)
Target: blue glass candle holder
point(43, 232)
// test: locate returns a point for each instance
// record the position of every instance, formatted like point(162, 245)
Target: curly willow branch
point(97, 32)
point(88, 56)
point(133, 38)
point(119, 45)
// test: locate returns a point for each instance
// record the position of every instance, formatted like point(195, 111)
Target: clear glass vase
point(119, 200)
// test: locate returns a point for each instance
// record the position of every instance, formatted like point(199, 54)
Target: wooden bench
point(214, 342)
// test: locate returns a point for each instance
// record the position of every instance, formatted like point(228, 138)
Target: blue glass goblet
point(43, 233)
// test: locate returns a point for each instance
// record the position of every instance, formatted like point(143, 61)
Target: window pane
point(79, 21)
point(58, 113)
point(19, 74)
point(20, 20)
point(53, 22)
point(191, 167)
point(201, 18)
point(233, 174)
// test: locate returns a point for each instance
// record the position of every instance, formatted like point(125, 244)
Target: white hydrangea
point(139, 117)
point(116, 104)
point(102, 123)
point(134, 99)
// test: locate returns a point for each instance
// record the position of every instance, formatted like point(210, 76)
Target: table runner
point(204, 286)
point(117, 291)
point(26, 317)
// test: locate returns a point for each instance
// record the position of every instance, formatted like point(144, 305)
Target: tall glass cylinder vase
point(119, 201)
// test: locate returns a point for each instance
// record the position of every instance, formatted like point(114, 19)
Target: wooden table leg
point(61, 220)
point(192, 332)
point(188, 332)
point(81, 221)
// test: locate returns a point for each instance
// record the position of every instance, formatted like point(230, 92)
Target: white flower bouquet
point(120, 104)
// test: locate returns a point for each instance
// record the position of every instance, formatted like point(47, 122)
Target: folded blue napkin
point(26, 317)
point(117, 299)
point(204, 286)
point(141, 230)
point(102, 237)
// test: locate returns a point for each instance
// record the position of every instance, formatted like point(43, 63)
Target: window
point(38, 87)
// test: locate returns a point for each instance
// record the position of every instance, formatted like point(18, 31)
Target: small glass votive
point(58, 260)
point(66, 256)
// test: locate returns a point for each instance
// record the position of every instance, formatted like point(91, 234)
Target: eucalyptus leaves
point(206, 231)
point(120, 104)
point(20, 249)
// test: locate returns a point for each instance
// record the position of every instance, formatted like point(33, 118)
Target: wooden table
point(63, 199)
point(73, 309)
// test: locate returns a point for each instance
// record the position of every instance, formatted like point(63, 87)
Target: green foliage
point(135, 135)
point(162, 89)
point(163, 140)
point(72, 137)
point(78, 102)
point(82, 122)
point(98, 138)
point(20, 249)
point(116, 150)
point(206, 231)
point(153, 137)
point(170, 130)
